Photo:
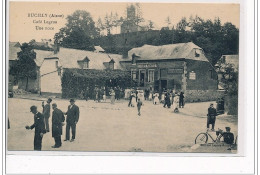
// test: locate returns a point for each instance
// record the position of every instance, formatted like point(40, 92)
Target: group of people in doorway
point(41, 123)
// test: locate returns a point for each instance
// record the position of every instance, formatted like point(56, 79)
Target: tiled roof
point(40, 55)
point(170, 51)
point(69, 58)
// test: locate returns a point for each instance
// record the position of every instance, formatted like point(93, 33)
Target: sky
point(24, 17)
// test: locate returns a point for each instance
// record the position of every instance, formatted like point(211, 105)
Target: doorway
point(163, 85)
point(142, 77)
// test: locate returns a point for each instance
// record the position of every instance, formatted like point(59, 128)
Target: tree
point(168, 22)
point(139, 14)
point(181, 26)
point(26, 66)
point(79, 31)
point(230, 82)
point(150, 25)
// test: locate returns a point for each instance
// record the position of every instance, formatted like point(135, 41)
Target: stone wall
point(202, 95)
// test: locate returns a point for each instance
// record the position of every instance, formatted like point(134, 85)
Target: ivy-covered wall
point(78, 82)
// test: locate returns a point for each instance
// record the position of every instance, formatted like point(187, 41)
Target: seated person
point(228, 136)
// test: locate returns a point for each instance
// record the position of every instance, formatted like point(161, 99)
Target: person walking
point(57, 123)
point(46, 113)
point(39, 128)
point(211, 119)
point(181, 101)
point(139, 104)
point(130, 99)
point(71, 120)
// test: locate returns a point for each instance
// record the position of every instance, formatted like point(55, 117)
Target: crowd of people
point(168, 98)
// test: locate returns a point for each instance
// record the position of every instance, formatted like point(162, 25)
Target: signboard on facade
point(146, 65)
point(175, 71)
point(192, 75)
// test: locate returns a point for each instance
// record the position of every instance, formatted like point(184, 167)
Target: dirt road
point(107, 127)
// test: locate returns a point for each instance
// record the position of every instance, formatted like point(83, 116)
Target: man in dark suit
point(46, 113)
point(57, 123)
point(71, 120)
point(212, 113)
point(39, 128)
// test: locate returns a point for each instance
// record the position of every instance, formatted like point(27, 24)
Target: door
point(163, 85)
point(142, 78)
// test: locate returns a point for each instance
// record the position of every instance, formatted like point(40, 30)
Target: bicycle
point(203, 137)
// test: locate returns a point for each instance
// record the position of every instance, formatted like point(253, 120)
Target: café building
point(181, 67)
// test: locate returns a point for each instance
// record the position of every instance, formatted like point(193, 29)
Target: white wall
point(51, 82)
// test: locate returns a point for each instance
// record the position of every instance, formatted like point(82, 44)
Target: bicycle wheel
point(201, 138)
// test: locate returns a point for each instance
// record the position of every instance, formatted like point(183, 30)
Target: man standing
point(57, 123)
point(212, 113)
point(39, 128)
point(72, 119)
point(181, 101)
point(46, 113)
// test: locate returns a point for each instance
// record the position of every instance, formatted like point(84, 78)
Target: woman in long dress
point(112, 94)
point(133, 100)
point(176, 103)
point(156, 99)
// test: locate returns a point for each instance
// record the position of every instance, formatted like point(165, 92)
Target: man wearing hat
point(39, 128)
point(46, 113)
point(228, 136)
point(71, 120)
point(57, 123)
point(212, 113)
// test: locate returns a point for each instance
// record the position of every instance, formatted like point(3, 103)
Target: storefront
point(159, 68)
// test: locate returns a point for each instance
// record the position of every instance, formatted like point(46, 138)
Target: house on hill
point(182, 67)
point(53, 66)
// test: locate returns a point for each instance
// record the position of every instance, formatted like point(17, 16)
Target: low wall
point(49, 94)
point(202, 95)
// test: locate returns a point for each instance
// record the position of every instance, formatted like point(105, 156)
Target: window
point(111, 65)
point(133, 74)
point(56, 64)
point(192, 75)
point(85, 64)
point(150, 75)
point(197, 53)
point(211, 74)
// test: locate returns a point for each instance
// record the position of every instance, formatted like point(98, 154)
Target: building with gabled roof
point(67, 58)
point(181, 66)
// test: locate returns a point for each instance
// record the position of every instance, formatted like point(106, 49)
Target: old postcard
point(123, 77)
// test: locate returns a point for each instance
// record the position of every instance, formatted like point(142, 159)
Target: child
point(139, 104)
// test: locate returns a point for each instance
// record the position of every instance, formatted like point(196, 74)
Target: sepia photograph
point(123, 77)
